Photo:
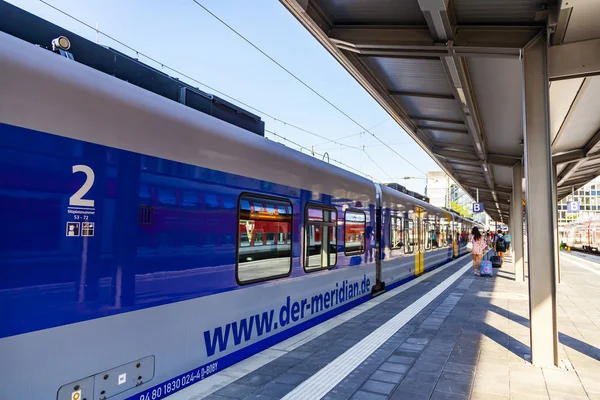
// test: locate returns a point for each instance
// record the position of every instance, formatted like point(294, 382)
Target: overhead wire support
point(311, 150)
point(378, 166)
point(305, 84)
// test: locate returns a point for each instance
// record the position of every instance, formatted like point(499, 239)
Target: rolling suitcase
point(485, 268)
point(496, 261)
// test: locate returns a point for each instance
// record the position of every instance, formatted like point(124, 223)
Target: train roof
point(50, 93)
point(35, 30)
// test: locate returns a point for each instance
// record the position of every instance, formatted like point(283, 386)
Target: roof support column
point(516, 218)
point(540, 217)
point(555, 218)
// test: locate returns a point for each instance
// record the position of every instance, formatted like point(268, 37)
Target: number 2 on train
point(77, 198)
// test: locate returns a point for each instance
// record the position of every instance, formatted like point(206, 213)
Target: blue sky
point(182, 35)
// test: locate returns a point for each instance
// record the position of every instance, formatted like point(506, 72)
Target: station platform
point(445, 335)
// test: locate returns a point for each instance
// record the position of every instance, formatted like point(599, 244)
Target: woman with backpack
point(500, 245)
point(479, 244)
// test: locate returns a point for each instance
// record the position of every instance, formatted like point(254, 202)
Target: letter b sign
point(573, 206)
point(477, 207)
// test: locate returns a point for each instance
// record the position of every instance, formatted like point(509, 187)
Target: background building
point(588, 197)
point(437, 188)
point(444, 192)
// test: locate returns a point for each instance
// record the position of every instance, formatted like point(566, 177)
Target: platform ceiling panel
point(412, 75)
point(497, 84)
point(448, 137)
point(502, 175)
point(562, 95)
point(429, 107)
point(496, 11)
point(373, 11)
point(584, 119)
point(583, 20)
point(458, 125)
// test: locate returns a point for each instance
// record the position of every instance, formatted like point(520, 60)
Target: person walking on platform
point(507, 239)
point(500, 245)
point(479, 245)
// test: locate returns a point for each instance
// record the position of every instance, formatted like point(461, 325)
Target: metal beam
point(568, 156)
point(555, 217)
point(503, 189)
point(564, 16)
point(474, 163)
point(591, 144)
point(456, 147)
point(461, 155)
point(516, 211)
point(574, 60)
point(473, 175)
point(567, 172)
point(422, 95)
point(581, 181)
point(441, 129)
point(440, 120)
point(469, 158)
point(468, 41)
point(540, 221)
point(499, 159)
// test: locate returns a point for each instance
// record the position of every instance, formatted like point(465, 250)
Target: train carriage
point(584, 235)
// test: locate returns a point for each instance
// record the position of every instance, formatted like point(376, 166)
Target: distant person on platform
point(479, 244)
point(507, 239)
point(500, 245)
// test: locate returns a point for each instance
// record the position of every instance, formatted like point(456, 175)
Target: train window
point(396, 233)
point(261, 253)
point(409, 227)
point(355, 226)
point(258, 239)
point(430, 238)
point(320, 242)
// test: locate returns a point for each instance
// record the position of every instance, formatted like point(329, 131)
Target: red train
point(584, 235)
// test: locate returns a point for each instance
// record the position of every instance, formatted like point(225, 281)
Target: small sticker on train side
point(87, 229)
point(76, 395)
point(73, 228)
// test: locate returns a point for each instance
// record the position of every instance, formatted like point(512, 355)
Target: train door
point(455, 235)
point(595, 235)
point(420, 248)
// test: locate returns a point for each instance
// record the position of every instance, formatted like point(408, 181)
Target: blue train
point(145, 246)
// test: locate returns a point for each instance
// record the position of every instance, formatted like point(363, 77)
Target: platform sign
point(573, 206)
point(477, 207)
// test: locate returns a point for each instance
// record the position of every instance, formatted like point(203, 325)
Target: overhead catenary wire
point(165, 66)
point(305, 84)
point(322, 155)
point(183, 74)
point(378, 166)
point(354, 134)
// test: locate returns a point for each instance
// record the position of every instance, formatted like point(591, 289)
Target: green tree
point(465, 211)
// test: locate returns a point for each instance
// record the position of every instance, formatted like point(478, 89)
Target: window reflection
point(321, 238)
point(355, 227)
point(265, 238)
